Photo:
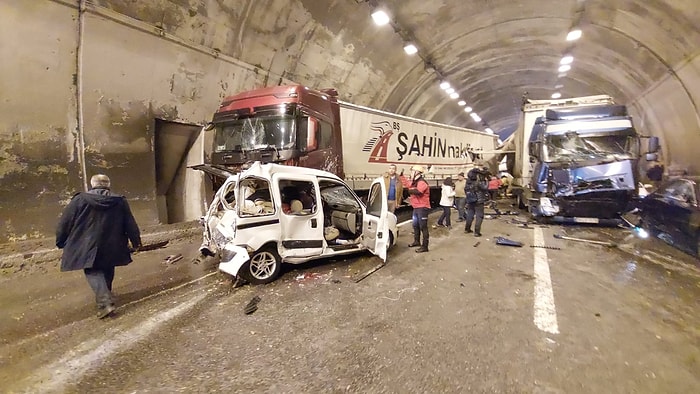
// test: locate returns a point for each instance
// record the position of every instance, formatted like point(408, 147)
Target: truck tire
point(263, 267)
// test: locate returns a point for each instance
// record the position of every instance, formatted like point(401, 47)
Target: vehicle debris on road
point(508, 242)
point(604, 243)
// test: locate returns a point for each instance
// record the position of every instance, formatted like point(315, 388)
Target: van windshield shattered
point(266, 132)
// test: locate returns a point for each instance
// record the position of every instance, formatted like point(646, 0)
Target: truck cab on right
point(584, 164)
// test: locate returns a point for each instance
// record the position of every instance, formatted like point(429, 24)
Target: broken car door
point(301, 219)
point(375, 226)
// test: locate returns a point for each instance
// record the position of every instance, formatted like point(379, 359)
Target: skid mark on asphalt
point(89, 355)
point(545, 313)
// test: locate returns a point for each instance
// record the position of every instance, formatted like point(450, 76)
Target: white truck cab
point(271, 214)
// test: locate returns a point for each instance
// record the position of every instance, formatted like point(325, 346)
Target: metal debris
point(545, 247)
point(252, 305)
point(590, 241)
point(507, 242)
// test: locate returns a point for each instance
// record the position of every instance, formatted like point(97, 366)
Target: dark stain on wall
point(37, 179)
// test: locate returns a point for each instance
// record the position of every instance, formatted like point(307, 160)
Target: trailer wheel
point(263, 267)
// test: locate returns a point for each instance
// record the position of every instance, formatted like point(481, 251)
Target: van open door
point(375, 225)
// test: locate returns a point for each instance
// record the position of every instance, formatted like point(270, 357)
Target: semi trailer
point(299, 126)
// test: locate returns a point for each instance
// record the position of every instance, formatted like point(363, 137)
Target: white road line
point(91, 354)
point(545, 313)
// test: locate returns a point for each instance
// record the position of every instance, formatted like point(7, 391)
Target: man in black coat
point(94, 233)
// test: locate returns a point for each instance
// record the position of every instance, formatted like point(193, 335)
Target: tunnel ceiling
point(491, 51)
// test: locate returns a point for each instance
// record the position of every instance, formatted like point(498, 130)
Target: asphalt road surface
point(468, 316)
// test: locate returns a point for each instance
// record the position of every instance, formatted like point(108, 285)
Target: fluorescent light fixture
point(449, 90)
point(468, 109)
point(564, 68)
point(462, 103)
point(380, 17)
point(444, 85)
point(454, 95)
point(556, 95)
point(410, 49)
point(558, 86)
point(568, 59)
point(574, 35)
point(475, 117)
point(561, 75)
point(488, 130)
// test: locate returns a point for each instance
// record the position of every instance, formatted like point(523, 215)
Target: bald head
point(100, 181)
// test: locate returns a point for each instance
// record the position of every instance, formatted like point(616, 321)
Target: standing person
point(460, 197)
point(494, 185)
point(476, 191)
point(419, 197)
point(94, 233)
point(394, 188)
point(446, 202)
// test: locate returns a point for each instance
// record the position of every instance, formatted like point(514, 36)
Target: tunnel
point(123, 87)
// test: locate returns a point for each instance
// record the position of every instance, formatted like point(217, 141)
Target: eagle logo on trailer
point(379, 146)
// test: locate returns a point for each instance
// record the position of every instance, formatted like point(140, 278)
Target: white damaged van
point(271, 214)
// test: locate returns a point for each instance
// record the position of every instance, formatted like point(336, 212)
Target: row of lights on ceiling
point(565, 62)
point(381, 18)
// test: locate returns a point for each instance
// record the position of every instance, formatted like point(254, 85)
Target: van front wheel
point(263, 267)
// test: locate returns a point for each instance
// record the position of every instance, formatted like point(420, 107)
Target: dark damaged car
point(672, 214)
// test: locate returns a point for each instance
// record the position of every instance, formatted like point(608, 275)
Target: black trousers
point(420, 224)
point(474, 209)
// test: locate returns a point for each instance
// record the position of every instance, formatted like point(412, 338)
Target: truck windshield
point(267, 132)
point(573, 146)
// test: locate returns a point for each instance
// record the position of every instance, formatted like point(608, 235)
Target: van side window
point(374, 201)
point(256, 197)
point(298, 197)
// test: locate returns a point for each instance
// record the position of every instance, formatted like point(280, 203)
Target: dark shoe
point(467, 230)
point(105, 311)
point(414, 244)
point(421, 250)
point(477, 234)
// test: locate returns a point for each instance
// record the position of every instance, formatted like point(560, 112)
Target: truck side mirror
point(311, 140)
point(653, 145)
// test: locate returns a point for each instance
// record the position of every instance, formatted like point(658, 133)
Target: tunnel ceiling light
point(454, 95)
point(568, 59)
point(558, 86)
point(475, 117)
point(564, 68)
point(449, 90)
point(380, 17)
point(489, 130)
point(556, 95)
point(462, 103)
point(574, 35)
point(410, 49)
point(468, 109)
point(444, 85)
point(561, 75)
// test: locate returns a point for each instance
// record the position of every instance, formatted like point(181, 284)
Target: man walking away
point(476, 191)
point(419, 197)
point(94, 233)
point(394, 188)
point(460, 197)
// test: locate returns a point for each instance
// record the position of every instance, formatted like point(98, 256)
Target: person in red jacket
point(419, 198)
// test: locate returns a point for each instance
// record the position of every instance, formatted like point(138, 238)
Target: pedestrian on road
point(460, 197)
point(94, 233)
point(394, 188)
point(477, 194)
point(446, 202)
point(494, 185)
point(419, 197)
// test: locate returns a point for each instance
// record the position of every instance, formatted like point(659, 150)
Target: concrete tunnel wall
point(81, 94)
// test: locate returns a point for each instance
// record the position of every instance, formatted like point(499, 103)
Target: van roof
point(270, 169)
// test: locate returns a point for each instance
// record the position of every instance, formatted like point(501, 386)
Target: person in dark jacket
point(476, 190)
point(94, 232)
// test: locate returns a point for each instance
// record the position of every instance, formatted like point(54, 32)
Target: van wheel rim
point(263, 265)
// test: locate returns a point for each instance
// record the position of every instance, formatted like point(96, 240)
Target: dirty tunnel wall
point(128, 76)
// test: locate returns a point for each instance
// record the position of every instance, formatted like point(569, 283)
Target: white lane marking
point(91, 354)
point(545, 313)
